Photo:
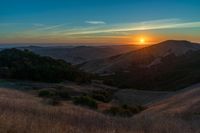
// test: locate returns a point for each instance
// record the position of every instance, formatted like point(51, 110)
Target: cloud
point(138, 26)
point(95, 22)
point(38, 25)
point(38, 30)
point(68, 31)
point(51, 27)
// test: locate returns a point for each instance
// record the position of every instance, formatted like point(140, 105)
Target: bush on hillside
point(85, 101)
point(102, 95)
point(124, 111)
point(51, 93)
point(46, 93)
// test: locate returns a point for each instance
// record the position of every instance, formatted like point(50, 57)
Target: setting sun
point(142, 40)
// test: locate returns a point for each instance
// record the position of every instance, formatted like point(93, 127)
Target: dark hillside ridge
point(26, 65)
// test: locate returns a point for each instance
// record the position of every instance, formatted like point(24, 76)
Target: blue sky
point(105, 21)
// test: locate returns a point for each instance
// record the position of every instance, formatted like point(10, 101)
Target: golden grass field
point(22, 112)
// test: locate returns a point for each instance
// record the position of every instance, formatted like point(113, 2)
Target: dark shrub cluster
point(52, 93)
point(102, 95)
point(53, 96)
point(124, 111)
point(85, 101)
point(46, 93)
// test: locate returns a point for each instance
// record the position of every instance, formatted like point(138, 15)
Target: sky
point(98, 21)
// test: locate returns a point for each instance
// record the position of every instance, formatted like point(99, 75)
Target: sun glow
point(142, 41)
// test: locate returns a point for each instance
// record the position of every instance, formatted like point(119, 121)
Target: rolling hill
point(169, 65)
point(147, 56)
point(26, 65)
point(179, 112)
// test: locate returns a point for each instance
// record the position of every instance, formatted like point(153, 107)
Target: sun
point(142, 41)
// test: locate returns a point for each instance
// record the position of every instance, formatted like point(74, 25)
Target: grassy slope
point(178, 113)
point(22, 112)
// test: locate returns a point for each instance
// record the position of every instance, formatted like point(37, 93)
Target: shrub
point(124, 111)
point(46, 93)
point(102, 95)
point(85, 101)
point(51, 93)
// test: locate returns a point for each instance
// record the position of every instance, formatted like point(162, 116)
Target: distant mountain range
point(81, 54)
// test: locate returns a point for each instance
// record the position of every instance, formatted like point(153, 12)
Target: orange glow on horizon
point(142, 41)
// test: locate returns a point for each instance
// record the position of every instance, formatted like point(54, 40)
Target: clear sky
point(99, 21)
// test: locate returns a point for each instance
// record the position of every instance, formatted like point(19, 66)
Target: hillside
point(177, 113)
point(80, 54)
point(25, 65)
point(175, 72)
point(147, 56)
point(169, 65)
point(24, 112)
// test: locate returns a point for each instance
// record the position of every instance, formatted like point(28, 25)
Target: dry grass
point(24, 113)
